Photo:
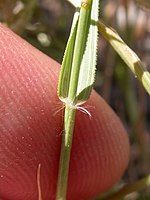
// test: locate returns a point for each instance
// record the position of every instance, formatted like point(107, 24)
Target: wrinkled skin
point(31, 127)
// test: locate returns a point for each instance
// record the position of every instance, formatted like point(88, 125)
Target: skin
point(31, 124)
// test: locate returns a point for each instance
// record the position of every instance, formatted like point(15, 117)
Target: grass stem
point(69, 119)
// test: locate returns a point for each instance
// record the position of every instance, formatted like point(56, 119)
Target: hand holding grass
point(30, 133)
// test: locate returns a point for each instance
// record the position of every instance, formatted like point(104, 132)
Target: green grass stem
point(69, 119)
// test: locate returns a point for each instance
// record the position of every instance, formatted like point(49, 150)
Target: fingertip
point(30, 133)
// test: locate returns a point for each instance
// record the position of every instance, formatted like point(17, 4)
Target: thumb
point(30, 130)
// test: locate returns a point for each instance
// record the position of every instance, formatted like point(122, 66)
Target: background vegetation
point(46, 25)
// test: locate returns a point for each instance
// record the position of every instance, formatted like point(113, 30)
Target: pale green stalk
point(69, 119)
point(76, 79)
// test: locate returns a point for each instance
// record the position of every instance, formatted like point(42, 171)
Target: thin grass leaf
point(64, 78)
point(127, 54)
point(88, 65)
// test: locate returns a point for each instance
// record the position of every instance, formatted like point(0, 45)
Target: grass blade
point(64, 78)
point(128, 56)
point(88, 65)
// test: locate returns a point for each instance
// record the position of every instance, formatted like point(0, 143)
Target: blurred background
point(46, 25)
